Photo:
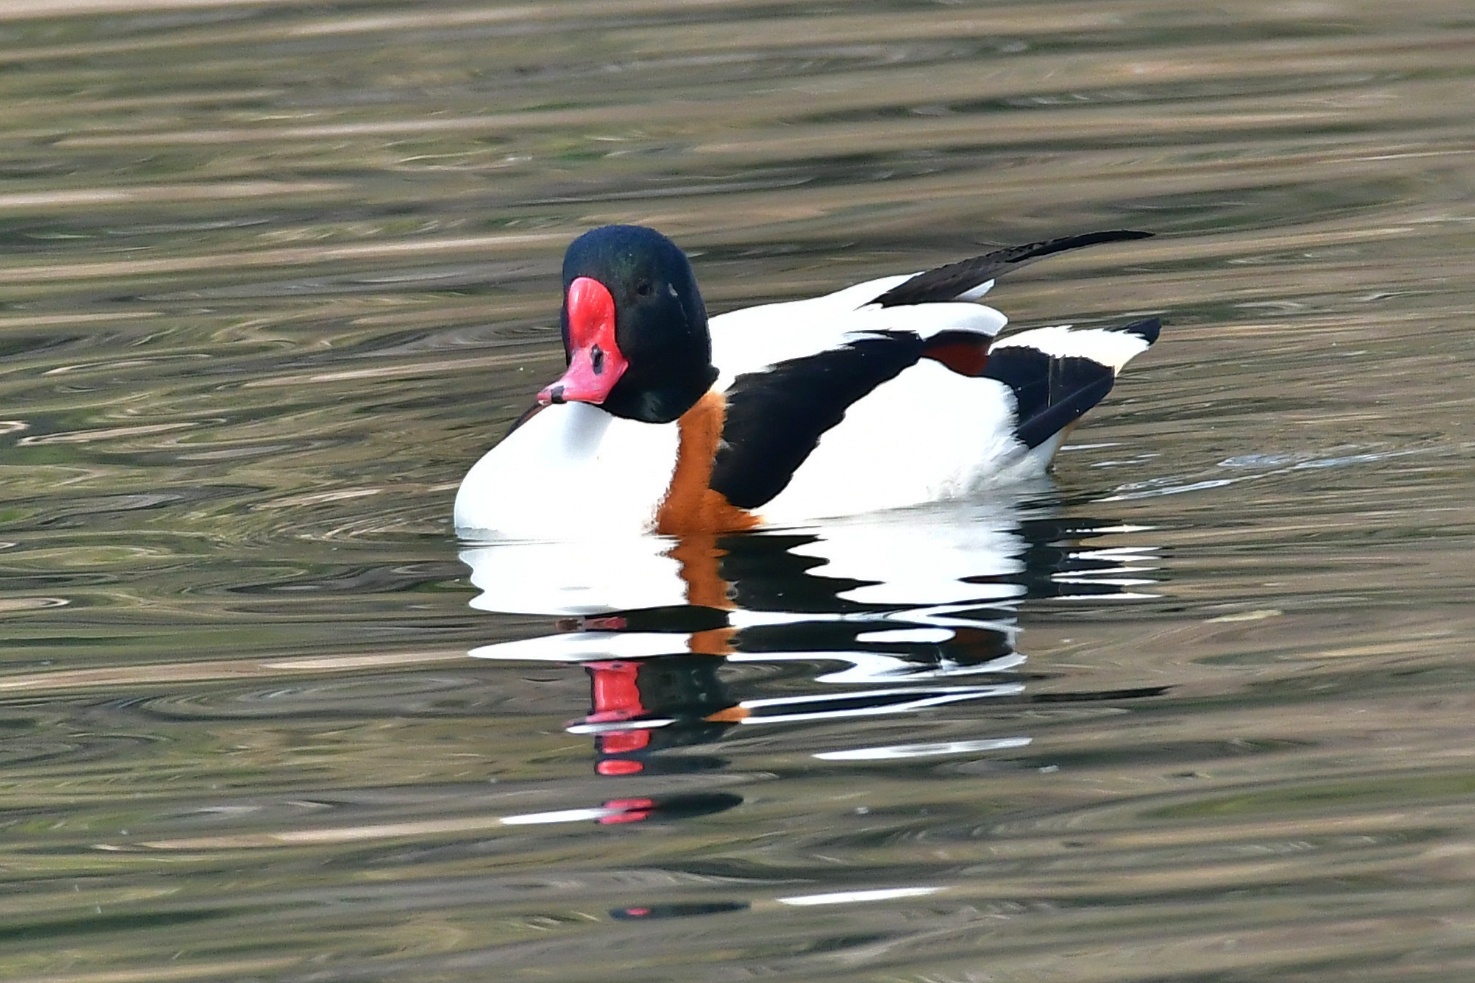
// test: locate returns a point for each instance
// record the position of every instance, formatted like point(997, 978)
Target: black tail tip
point(1147, 329)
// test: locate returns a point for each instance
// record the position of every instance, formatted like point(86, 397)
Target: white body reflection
point(913, 556)
point(896, 613)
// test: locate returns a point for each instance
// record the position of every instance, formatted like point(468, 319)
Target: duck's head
point(634, 327)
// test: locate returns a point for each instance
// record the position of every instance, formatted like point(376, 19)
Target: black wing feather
point(776, 417)
point(946, 282)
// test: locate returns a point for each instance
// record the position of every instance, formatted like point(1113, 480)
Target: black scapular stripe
point(776, 417)
point(1051, 392)
point(946, 282)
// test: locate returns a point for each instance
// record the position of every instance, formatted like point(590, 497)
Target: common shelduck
point(887, 394)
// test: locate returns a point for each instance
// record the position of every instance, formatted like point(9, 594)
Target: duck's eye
point(643, 288)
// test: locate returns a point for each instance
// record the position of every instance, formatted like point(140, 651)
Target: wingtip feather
point(958, 280)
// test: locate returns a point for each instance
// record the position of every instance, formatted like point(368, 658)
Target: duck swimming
point(886, 394)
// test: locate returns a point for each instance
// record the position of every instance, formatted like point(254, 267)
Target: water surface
point(274, 276)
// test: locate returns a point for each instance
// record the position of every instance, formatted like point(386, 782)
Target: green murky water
point(273, 275)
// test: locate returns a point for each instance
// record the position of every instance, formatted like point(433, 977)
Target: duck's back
point(754, 338)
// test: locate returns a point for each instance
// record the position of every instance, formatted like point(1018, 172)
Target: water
point(275, 275)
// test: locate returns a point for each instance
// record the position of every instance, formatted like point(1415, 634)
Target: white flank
point(927, 435)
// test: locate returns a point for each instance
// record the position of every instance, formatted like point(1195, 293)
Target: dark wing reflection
point(880, 615)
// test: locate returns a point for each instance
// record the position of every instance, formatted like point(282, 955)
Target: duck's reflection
point(881, 615)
